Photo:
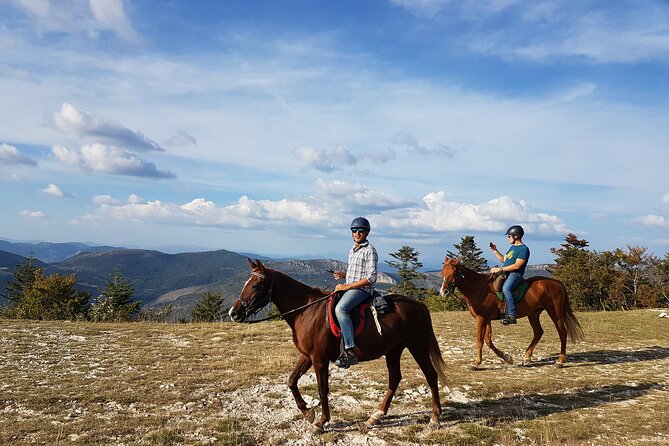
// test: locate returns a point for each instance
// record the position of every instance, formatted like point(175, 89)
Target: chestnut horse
point(482, 301)
point(304, 309)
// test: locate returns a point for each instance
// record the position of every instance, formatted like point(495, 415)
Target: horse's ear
point(251, 264)
point(261, 267)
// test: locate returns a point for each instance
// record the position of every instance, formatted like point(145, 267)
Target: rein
point(269, 300)
point(461, 276)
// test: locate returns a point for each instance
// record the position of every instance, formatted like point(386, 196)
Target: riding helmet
point(516, 230)
point(360, 222)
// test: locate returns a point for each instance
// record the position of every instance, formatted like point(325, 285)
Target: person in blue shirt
point(515, 261)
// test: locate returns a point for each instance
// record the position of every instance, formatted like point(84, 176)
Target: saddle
point(518, 292)
point(359, 314)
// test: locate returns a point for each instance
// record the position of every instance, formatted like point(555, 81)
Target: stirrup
point(342, 361)
point(509, 320)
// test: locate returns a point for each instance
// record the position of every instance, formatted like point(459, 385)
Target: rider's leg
point(349, 300)
point(512, 280)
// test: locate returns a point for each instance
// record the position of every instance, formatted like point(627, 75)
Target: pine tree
point(115, 303)
point(407, 266)
point(470, 254)
point(24, 278)
point(53, 297)
point(209, 308)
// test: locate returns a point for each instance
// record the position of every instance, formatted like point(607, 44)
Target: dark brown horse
point(304, 308)
point(542, 294)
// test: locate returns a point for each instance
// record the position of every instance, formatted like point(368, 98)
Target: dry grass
point(151, 384)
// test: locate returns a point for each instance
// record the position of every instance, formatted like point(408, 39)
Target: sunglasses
point(357, 230)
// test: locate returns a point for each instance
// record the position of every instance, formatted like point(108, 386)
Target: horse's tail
point(572, 324)
point(436, 358)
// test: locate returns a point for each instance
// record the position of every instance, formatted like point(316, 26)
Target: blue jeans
point(510, 284)
point(349, 300)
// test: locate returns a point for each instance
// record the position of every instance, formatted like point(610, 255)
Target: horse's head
point(449, 274)
point(257, 293)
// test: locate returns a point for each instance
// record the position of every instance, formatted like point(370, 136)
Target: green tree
point(470, 254)
point(451, 302)
point(635, 286)
point(587, 275)
point(209, 308)
point(24, 278)
point(407, 265)
point(115, 302)
point(53, 297)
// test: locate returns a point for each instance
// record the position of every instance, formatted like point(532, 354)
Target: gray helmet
point(360, 222)
point(516, 230)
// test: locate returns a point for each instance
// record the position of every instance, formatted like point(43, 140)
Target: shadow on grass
point(499, 411)
point(529, 407)
point(599, 357)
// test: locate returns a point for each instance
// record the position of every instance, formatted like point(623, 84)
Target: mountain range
point(176, 279)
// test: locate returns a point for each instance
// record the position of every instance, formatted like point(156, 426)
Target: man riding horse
point(515, 261)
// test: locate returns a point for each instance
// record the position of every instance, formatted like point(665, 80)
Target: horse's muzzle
point(237, 317)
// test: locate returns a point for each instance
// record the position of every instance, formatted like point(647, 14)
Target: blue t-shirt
point(516, 252)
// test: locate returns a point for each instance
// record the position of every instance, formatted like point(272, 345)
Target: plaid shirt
point(362, 260)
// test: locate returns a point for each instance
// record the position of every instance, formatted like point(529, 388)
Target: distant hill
point(50, 252)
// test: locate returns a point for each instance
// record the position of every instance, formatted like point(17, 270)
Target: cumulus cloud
point(413, 146)
point(338, 159)
point(110, 160)
point(440, 213)
point(33, 214)
point(245, 213)
point(356, 198)
point(56, 191)
point(653, 220)
point(104, 199)
point(70, 119)
point(11, 155)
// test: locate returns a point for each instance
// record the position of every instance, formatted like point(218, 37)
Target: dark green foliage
point(209, 308)
point(52, 297)
point(24, 278)
point(451, 302)
point(407, 266)
point(470, 254)
point(115, 303)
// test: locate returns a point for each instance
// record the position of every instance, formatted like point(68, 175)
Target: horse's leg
point(303, 364)
point(538, 332)
point(321, 369)
point(480, 333)
point(422, 356)
point(556, 316)
point(488, 341)
point(394, 378)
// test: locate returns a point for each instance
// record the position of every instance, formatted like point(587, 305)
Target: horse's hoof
point(316, 429)
point(558, 365)
point(526, 362)
point(473, 366)
point(375, 418)
point(508, 359)
point(310, 415)
point(433, 424)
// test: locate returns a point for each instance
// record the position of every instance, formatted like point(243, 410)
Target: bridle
point(256, 305)
point(459, 275)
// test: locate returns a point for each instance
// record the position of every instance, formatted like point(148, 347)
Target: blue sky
point(266, 126)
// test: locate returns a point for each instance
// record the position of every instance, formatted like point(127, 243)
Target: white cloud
point(72, 120)
point(110, 160)
point(415, 147)
point(11, 155)
point(33, 214)
point(665, 198)
point(135, 199)
point(56, 191)
point(104, 199)
point(338, 159)
point(111, 15)
point(181, 138)
point(653, 220)
point(441, 214)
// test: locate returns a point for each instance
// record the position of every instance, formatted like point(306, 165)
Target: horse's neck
point(290, 294)
point(473, 285)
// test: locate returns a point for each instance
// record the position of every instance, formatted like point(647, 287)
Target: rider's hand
point(495, 269)
point(493, 246)
point(341, 287)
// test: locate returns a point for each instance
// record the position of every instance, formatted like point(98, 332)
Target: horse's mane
point(307, 289)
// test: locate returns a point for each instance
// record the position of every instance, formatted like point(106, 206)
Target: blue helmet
point(361, 222)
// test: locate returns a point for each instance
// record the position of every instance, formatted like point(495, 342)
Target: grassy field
point(67, 383)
